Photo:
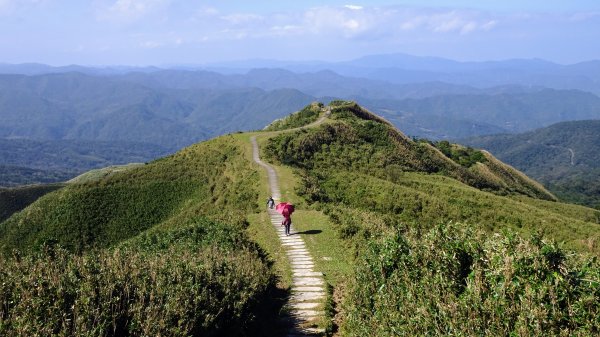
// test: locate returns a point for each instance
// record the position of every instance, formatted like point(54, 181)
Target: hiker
point(270, 202)
point(287, 220)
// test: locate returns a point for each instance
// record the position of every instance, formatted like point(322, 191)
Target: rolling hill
point(564, 157)
point(163, 248)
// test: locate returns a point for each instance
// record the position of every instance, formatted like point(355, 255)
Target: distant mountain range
point(565, 157)
point(394, 68)
point(169, 108)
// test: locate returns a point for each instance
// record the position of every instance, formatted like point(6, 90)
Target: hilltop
point(565, 157)
point(421, 250)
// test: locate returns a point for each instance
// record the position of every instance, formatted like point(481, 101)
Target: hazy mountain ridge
point(77, 106)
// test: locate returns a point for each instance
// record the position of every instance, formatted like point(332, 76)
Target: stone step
point(307, 297)
point(307, 288)
point(304, 305)
point(308, 281)
point(304, 272)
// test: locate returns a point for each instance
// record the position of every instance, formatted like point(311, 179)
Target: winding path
point(305, 305)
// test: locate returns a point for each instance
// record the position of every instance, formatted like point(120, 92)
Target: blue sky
point(166, 32)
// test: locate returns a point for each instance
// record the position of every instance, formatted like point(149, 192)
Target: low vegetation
point(452, 281)
point(201, 279)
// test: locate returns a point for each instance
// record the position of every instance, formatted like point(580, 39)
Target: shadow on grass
point(268, 320)
point(308, 232)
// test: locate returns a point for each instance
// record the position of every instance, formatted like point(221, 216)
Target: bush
point(199, 280)
point(451, 281)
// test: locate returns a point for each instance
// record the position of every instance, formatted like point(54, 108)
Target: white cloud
point(131, 10)
point(151, 44)
point(354, 7)
point(242, 18)
point(455, 21)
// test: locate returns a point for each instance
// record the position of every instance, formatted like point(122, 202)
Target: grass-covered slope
point(104, 212)
point(490, 272)
point(300, 118)
point(158, 249)
point(359, 141)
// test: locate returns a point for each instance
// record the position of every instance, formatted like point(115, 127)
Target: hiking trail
point(305, 305)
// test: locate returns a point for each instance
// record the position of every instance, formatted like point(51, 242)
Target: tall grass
point(449, 281)
point(200, 280)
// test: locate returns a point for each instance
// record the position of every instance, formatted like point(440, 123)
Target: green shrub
point(199, 280)
point(451, 281)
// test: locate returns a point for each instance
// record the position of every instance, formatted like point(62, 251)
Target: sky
point(188, 32)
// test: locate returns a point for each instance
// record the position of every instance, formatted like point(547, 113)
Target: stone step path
point(305, 305)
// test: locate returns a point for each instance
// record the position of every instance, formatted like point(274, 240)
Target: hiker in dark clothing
point(270, 203)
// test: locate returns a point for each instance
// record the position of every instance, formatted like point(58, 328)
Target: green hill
point(157, 249)
point(565, 157)
point(438, 247)
point(163, 248)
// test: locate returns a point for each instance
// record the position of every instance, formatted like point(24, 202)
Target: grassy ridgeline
point(301, 118)
point(154, 250)
point(210, 178)
point(386, 196)
point(15, 199)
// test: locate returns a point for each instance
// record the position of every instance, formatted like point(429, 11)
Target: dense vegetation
point(417, 277)
point(452, 281)
point(303, 117)
point(465, 156)
point(565, 157)
point(158, 249)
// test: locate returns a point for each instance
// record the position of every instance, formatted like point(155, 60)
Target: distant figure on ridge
point(270, 202)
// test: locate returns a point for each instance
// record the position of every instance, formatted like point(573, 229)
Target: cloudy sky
point(168, 32)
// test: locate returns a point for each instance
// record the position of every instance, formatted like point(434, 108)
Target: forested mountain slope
point(565, 157)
